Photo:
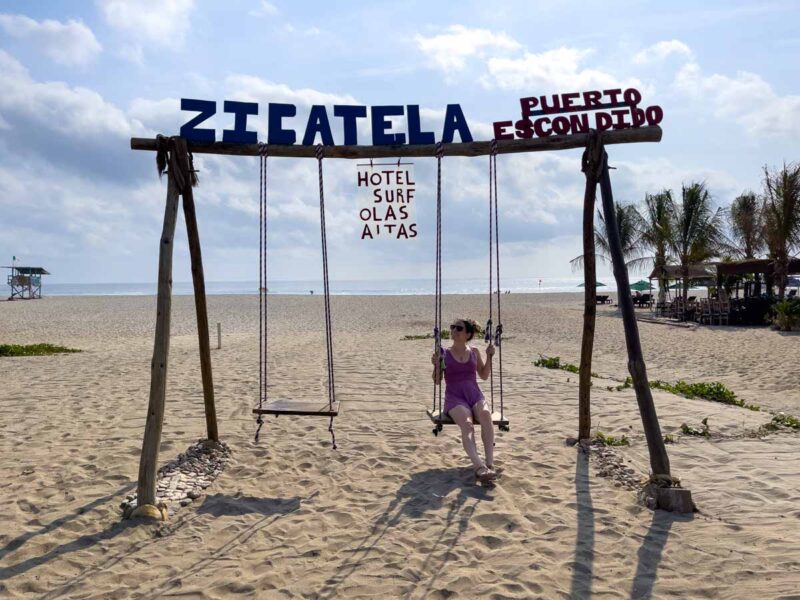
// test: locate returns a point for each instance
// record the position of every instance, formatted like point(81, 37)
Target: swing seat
point(441, 418)
point(301, 408)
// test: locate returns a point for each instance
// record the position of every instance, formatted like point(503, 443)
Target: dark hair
point(470, 326)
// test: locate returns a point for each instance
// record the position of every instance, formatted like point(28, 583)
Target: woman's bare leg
point(463, 418)
point(483, 415)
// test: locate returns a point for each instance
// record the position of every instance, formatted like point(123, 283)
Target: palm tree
point(657, 231)
point(746, 223)
point(782, 218)
point(696, 230)
point(630, 227)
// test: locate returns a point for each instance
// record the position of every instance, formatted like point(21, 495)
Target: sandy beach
point(395, 511)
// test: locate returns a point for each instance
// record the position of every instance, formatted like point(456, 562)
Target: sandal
point(484, 473)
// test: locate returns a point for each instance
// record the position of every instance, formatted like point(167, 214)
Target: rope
point(262, 291)
point(498, 336)
point(437, 328)
point(327, 294)
point(488, 332)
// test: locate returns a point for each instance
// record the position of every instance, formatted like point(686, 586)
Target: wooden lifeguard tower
point(26, 282)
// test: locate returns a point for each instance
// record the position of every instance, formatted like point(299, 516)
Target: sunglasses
point(456, 328)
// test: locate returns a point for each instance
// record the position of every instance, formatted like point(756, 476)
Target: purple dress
point(461, 382)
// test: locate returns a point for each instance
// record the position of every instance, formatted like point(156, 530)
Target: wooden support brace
point(659, 461)
point(148, 464)
point(198, 280)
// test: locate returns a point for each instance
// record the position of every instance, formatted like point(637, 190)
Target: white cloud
point(56, 106)
point(265, 9)
point(449, 51)
point(70, 43)
point(308, 31)
point(255, 89)
point(661, 50)
point(745, 99)
point(559, 69)
point(162, 22)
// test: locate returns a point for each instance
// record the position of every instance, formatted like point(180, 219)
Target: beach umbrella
point(640, 286)
point(596, 284)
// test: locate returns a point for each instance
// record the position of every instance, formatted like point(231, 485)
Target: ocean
point(401, 287)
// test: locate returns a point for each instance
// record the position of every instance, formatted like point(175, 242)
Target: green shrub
point(714, 391)
point(785, 420)
point(786, 314)
point(610, 440)
point(33, 349)
point(691, 430)
point(554, 362)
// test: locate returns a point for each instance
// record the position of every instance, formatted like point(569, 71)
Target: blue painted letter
point(380, 125)
point(415, 135)
point(349, 115)
point(454, 120)
point(318, 123)
point(206, 108)
point(239, 133)
point(277, 134)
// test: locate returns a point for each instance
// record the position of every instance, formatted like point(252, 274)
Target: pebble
point(183, 479)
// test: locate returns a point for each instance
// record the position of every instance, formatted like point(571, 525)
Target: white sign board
point(386, 194)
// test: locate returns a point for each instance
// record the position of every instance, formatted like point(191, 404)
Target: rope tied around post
point(592, 159)
point(173, 156)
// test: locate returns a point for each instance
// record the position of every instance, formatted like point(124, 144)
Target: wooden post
point(219, 336)
point(198, 280)
point(148, 464)
point(659, 461)
point(535, 144)
point(591, 164)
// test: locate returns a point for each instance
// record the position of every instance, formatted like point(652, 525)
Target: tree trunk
point(659, 461)
point(782, 273)
point(590, 166)
point(685, 283)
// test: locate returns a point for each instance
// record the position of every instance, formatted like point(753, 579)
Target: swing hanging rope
point(262, 288)
point(263, 405)
point(437, 326)
point(326, 286)
point(498, 335)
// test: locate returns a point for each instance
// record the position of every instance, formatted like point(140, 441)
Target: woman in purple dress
point(463, 399)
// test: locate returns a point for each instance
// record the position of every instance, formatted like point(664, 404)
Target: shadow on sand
point(425, 492)
point(82, 542)
point(217, 505)
point(650, 552)
point(583, 565)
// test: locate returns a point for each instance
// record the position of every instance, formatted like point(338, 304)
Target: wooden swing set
point(174, 157)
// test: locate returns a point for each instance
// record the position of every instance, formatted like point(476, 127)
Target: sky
point(81, 78)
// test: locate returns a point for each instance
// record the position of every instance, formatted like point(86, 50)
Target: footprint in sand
point(26, 506)
point(491, 541)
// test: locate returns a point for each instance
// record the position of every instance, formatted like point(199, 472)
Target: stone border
point(184, 478)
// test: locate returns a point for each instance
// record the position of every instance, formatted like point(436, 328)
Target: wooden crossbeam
point(543, 144)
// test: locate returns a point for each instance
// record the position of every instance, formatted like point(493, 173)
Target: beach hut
point(26, 282)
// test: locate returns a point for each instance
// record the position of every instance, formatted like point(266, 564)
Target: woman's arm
point(484, 369)
point(437, 371)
